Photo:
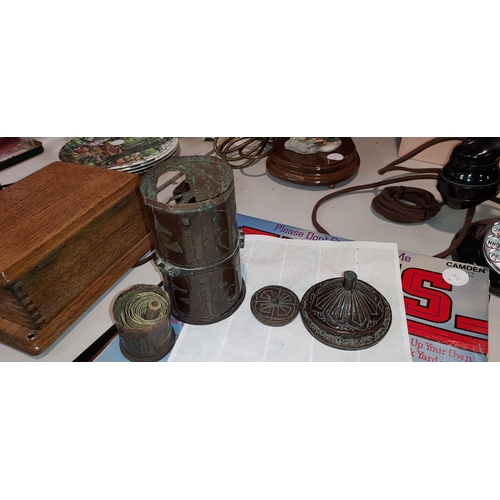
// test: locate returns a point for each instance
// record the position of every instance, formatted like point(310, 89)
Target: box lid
point(41, 212)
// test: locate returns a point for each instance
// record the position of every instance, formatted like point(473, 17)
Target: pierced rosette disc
point(274, 305)
point(346, 313)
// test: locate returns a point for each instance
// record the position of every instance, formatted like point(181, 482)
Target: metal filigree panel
point(196, 236)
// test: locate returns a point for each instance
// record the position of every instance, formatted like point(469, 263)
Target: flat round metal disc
point(275, 305)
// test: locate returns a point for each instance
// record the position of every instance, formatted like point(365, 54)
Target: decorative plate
point(127, 154)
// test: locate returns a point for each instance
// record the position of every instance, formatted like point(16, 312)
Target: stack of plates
point(126, 154)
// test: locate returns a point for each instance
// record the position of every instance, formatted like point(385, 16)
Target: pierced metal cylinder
point(191, 207)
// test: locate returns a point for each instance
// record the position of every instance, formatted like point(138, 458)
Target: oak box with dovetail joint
point(68, 232)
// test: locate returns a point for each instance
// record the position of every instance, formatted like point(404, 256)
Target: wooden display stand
point(68, 233)
point(319, 169)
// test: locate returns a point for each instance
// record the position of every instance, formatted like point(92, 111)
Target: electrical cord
point(394, 165)
point(353, 189)
point(405, 204)
point(240, 152)
point(460, 235)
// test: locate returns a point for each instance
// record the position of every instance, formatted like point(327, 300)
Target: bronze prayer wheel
point(191, 207)
point(142, 318)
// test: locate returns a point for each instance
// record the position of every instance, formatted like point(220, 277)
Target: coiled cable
point(241, 152)
point(404, 204)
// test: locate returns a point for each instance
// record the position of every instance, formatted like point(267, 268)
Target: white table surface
point(260, 195)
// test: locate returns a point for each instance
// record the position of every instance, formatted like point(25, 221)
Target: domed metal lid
point(346, 313)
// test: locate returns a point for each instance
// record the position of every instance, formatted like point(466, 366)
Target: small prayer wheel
point(142, 318)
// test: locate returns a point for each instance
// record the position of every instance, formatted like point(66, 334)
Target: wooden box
point(68, 232)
